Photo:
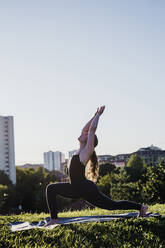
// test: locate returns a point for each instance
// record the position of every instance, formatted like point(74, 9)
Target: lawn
point(125, 233)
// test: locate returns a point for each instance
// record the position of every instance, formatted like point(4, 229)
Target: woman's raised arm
point(93, 128)
point(87, 126)
point(95, 120)
point(88, 149)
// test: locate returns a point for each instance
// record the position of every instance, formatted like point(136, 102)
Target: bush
point(104, 184)
point(125, 191)
point(154, 187)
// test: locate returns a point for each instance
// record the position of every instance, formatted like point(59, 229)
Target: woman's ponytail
point(94, 161)
point(92, 172)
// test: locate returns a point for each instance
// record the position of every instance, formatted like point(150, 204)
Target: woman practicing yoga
point(80, 186)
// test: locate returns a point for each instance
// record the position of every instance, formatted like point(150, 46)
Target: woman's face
point(83, 138)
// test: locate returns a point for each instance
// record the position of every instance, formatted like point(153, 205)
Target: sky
point(60, 60)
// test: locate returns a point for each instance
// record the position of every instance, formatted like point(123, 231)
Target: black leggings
point(87, 190)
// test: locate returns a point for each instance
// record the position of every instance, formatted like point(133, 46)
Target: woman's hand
point(96, 112)
point(100, 110)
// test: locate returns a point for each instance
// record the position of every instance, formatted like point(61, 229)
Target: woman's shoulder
point(76, 153)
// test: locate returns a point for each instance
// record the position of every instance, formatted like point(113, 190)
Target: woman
point(79, 186)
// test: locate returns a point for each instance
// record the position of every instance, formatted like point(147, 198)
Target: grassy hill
point(125, 233)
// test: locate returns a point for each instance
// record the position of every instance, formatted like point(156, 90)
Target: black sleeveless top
point(76, 170)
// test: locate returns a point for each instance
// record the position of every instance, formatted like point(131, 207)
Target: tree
point(4, 178)
point(25, 189)
point(3, 196)
point(125, 191)
point(105, 168)
point(135, 167)
point(30, 188)
point(153, 191)
point(104, 184)
point(122, 188)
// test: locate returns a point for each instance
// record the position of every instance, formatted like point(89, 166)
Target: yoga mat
point(19, 226)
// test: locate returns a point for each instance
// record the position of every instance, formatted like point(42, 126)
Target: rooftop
point(152, 147)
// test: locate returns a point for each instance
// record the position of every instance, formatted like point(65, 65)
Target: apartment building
point(7, 151)
point(54, 160)
point(151, 155)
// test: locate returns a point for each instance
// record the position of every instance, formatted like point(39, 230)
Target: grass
point(125, 233)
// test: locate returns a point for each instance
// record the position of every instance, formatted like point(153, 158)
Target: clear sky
point(60, 60)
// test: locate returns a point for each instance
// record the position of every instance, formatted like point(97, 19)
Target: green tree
point(126, 191)
point(4, 178)
point(105, 168)
point(104, 183)
point(135, 167)
point(7, 192)
point(30, 188)
point(122, 188)
point(3, 197)
point(153, 191)
point(25, 189)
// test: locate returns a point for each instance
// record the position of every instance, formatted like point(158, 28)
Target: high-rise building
point(7, 153)
point(53, 160)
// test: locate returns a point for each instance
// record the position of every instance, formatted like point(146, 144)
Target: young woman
point(79, 186)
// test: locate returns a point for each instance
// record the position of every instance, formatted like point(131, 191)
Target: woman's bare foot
point(51, 222)
point(143, 211)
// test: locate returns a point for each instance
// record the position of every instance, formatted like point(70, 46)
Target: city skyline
point(61, 60)
point(70, 153)
point(151, 155)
